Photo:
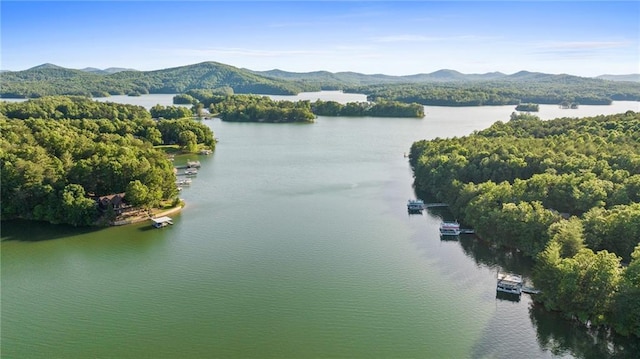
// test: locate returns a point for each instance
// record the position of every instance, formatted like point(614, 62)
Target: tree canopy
point(564, 191)
point(58, 154)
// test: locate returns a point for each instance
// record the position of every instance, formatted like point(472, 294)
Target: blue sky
point(585, 38)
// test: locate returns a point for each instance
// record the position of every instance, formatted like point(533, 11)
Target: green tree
point(569, 235)
point(78, 210)
point(137, 194)
point(188, 140)
point(625, 313)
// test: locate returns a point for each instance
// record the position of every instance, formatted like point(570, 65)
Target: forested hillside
point(566, 192)
point(53, 80)
point(443, 87)
point(512, 91)
point(58, 153)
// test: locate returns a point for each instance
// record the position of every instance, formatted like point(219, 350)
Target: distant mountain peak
point(46, 66)
point(107, 71)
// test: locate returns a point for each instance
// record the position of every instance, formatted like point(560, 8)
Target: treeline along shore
point(78, 161)
point(441, 88)
point(255, 108)
point(565, 192)
point(69, 159)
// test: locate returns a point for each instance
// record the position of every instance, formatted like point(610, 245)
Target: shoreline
point(154, 214)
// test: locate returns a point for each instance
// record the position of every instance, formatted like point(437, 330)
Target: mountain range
point(50, 79)
point(444, 75)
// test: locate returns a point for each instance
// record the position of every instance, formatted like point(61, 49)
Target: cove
point(295, 242)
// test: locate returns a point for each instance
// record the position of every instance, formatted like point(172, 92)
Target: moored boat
point(193, 164)
point(449, 229)
point(415, 205)
point(184, 182)
point(509, 283)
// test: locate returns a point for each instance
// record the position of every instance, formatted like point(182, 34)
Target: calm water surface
point(295, 243)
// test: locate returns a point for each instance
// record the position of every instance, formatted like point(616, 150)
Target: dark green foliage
point(71, 107)
point(515, 183)
point(183, 131)
point(625, 314)
point(50, 166)
point(377, 109)
point(184, 99)
point(170, 112)
point(545, 89)
point(444, 88)
point(39, 81)
point(528, 107)
point(245, 108)
point(251, 108)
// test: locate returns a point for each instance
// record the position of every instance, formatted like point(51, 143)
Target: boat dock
point(161, 222)
point(530, 290)
point(434, 205)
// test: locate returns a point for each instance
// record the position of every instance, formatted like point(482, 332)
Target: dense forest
point(528, 107)
point(443, 87)
point(252, 108)
point(47, 80)
point(381, 108)
point(261, 108)
point(506, 92)
point(57, 154)
point(565, 191)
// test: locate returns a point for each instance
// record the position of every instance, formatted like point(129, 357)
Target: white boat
point(509, 283)
point(193, 164)
point(415, 205)
point(184, 182)
point(191, 171)
point(450, 228)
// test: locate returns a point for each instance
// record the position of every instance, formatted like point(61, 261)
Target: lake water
point(295, 243)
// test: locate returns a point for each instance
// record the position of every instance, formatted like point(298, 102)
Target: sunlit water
point(295, 243)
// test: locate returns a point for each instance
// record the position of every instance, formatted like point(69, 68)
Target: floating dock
point(530, 290)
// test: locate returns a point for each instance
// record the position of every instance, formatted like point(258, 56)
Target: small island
point(569, 105)
point(528, 107)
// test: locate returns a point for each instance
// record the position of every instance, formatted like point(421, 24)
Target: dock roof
point(163, 219)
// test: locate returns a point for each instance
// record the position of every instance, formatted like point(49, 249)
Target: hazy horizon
point(319, 70)
point(393, 38)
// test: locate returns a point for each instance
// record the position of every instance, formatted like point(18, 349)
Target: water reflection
point(559, 336)
point(562, 337)
point(31, 231)
point(508, 296)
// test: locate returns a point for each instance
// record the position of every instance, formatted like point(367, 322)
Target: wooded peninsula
point(565, 191)
point(254, 108)
point(60, 155)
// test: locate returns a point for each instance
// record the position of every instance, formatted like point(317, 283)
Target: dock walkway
point(434, 205)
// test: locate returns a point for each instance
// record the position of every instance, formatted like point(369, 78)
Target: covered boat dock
point(161, 221)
